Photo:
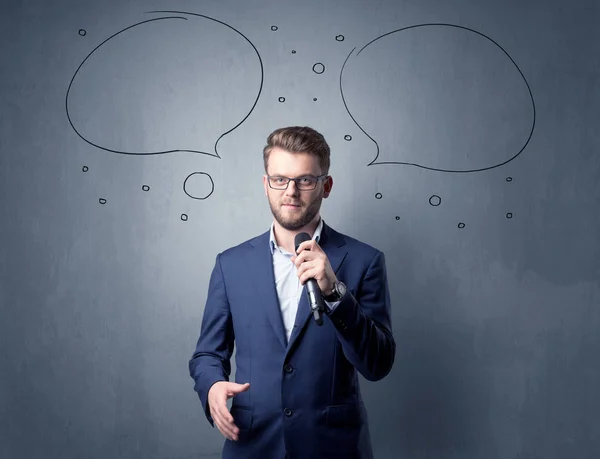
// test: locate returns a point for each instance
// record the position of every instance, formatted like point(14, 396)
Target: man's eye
point(306, 180)
point(278, 179)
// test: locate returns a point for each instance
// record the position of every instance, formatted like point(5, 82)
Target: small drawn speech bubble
point(177, 82)
point(440, 97)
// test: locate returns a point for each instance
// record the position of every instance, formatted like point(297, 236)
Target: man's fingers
point(235, 389)
point(309, 274)
point(224, 414)
point(307, 257)
point(225, 423)
point(314, 268)
point(228, 430)
point(309, 246)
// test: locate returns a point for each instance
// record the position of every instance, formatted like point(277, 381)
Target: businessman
point(296, 393)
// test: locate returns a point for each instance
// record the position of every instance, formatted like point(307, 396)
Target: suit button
point(288, 368)
point(287, 412)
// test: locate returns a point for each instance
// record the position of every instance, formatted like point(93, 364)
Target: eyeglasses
point(306, 183)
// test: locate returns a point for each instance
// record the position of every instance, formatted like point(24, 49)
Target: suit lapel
point(332, 244)
point(261, 270)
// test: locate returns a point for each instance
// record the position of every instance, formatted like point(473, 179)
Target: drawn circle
point(509, 179)
point(318, 68)
point(461, 225)
point(102, 201)
point(435, 200)
point(145, 188)
point(378, 196)
point(397, 217)
point(274, 28)
point(348, 138)
point(200, 185)
point(184, 217)
point(314, 99)
point(85, 169)
point(339, 38)
point(509, 215)
point(82, 32)
point(281, 99)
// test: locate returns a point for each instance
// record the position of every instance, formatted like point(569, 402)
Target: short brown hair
point(297, 139)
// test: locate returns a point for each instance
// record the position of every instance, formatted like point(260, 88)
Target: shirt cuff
point(331, 306)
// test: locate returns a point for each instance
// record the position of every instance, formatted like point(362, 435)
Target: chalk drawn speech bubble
point(440, 97)
point(174, 83)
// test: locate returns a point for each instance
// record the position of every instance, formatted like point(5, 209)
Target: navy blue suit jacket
point(304, 399)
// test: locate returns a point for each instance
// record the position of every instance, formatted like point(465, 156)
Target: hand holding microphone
point(314, 271)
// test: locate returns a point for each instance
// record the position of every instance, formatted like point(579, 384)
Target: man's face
point(292, 208)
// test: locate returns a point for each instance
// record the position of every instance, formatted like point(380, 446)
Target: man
point(297, 392)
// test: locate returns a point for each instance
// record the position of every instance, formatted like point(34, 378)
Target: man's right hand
point(219, 393)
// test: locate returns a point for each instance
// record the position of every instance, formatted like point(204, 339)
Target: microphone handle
point(317, 316)
point(315, 300)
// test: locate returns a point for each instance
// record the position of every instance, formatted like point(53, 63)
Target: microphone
point(315, 300)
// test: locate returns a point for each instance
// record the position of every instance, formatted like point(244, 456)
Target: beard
point(298, 220)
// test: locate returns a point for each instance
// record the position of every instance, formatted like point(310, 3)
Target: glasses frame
point(295, 180)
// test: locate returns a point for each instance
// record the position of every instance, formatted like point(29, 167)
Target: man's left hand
point(312, 263)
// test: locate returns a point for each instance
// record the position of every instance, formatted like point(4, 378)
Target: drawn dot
point(281, 99)
point(509, 179)
point(82, 32)
point(461, 225)
point(318, 68)
point(348, 138)
point(184, 217)
point(102, 201)
point(293, 51)
point(85, 169)
point(378, 196)
point(435, 200)
point(397, 217)
point(339, 38)
point(509, 215)
point(314, 99)
point(274, 28)
point(145, 187)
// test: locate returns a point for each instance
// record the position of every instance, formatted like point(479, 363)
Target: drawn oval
point(198, 185)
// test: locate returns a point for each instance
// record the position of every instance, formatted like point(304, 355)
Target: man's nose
point(292, 189)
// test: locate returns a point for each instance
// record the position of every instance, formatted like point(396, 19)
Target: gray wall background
point(497, 320)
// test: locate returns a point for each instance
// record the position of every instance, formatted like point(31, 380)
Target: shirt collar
point(273, 244)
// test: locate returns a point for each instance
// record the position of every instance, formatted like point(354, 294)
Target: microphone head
point(300, 238)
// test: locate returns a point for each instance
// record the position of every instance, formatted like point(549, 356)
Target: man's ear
point(327, 186)
point(266, 185)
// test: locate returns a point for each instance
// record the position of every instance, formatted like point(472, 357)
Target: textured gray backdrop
point(464, 143)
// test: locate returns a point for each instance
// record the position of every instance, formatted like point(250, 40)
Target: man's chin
point(291, 225)
point(295, 221)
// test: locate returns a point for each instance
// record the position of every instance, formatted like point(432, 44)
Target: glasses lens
point(278, 183)
point(306, 183)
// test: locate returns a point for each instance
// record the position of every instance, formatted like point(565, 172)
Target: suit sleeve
point(363, 323)
point(211, 360)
